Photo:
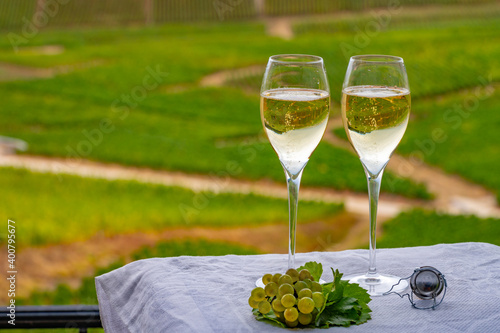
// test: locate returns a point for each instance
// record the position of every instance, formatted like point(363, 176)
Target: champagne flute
point(294, 109)
point(375, 111)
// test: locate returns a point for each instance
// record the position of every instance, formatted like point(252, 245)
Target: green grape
point(316, 286)
point(264, 307)
point(279, 314)
point(299, 285)
point(308, 283)
point(253, 303)
point(288, 301)
point(292, 272)
point(285, 278)
point(305, 318)
point(306, 305)
point(285, 289)
point(291, 314)
point(271, 289)
point(292, 323)
point(258, 294)
point(277, 306)
point(276, 278)
point(318, 298)
point(305, 274)
point(306, 292)
point(267, 278)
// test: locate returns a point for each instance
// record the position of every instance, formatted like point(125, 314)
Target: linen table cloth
point(210, 294)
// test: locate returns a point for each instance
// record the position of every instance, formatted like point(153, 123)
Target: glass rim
point(307, 59)
point(377, 58)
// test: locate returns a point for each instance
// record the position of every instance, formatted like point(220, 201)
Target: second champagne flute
point(294, 108)
point(375, 111)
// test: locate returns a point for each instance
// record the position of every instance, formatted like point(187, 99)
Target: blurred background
point(130, 129)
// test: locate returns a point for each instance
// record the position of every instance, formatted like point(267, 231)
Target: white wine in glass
point(376, 119)
point(295, 121)
point(294, 109)
point(375, 110)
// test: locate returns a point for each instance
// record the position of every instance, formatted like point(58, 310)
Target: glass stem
point(293, 184)
point(374, 182)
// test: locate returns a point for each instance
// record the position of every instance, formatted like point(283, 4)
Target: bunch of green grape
point(294, 297)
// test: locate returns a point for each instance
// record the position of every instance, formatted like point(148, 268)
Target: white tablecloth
point(210, 294)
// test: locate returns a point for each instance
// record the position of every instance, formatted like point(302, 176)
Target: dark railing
point(55, 316)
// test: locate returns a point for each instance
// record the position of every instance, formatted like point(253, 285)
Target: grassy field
point(161, 128)
point(48, 210)
point(459, 133)
point(161, 137)
point(105, 104)
point(421, 228)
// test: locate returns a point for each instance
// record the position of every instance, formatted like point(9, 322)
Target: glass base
point(261, 284)
point(378, 284)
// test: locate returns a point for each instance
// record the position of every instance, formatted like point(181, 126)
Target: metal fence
point(20, 14)
point(68, 317)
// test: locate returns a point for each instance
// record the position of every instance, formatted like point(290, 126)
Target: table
point(209, 294)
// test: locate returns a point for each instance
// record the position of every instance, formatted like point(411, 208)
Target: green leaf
point(338, 288)
point(269, 317)
point(331, 317)
point(365, 315)
point(316, 269)
point(327, 287)
point(345, 304)
point(355, 291)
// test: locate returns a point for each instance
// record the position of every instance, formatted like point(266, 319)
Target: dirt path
point(279, 27)
point(453, 194)
point(356, 203)
point(10, 72)
point(220, 78)
point(282, 26)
